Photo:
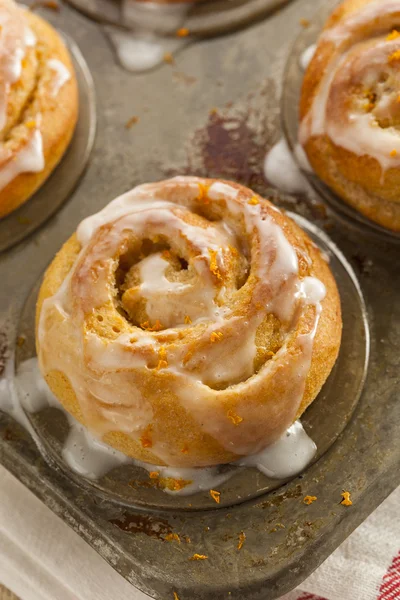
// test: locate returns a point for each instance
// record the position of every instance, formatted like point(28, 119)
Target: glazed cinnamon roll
point(188, 323)
point(38, 103)
point(350, 108)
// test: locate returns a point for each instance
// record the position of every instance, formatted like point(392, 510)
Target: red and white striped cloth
point(41, 558)
point(366, 566)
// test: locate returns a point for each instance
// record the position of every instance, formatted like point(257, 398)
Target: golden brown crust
point(31, 96)
point(175, 426)
point(363, 181)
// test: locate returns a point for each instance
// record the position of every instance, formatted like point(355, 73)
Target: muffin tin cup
point(203, 19)
point(291, 91)
point(60, 184)
point(324, 420)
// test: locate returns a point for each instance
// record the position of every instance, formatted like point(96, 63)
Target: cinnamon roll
point(350, 108)
point(38, 103)
point(188, 323)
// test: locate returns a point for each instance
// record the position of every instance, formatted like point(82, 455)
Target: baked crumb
point(309, 500)
point(172, 537)
point(21, 341)
point(346, 499)
point(182, 32)
point(131, 122)
point(198, 557)
point(168, 58)
point(154, 474)
point(242, 539)
point(216, 496)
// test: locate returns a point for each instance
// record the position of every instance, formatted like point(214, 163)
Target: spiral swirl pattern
point(188, 323)
point(350, 108)
point(38, 103)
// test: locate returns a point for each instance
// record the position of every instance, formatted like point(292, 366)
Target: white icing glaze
point(287, 457)
point(281, 170)
point(147, 211)
point(362, 56)
point(142, 51)
point(89, 457)
point(62, 75)
point(307, 56)
point(29, 159)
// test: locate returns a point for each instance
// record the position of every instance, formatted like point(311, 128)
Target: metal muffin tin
point(215, 113)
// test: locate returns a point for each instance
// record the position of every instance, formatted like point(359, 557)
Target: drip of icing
point(30, 159)
point(287, 457)
point(142, 51)
point(358, 131)
point(144, 212)
point(89, 457)
point(281, 170)
point(307, 56)
point(62, 75)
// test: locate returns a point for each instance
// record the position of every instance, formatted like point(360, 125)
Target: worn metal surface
point(215, 112)
point(203, 18)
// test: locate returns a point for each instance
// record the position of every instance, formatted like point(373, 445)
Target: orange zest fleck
point(216, 336)
point(242, 539)
point(52, 4)
point(216, 496)
point(156, 327)
point(166, 254)
point(198, 557)
point(253, 201)
point(131, 122)
point(182, 32)
point(31, 124)
point(214, 264)
point(188, 320)
point(234, 250)
point(176, 597)
point(171, 537)
point(162, 359)
point(145, 438)
point(393, 35)
point(346, 499)
point(187, 357)
point(393, 153)
point(185, 449)
point(154, 474)
point(394, 57)
point(168, 58)
point(232, 416)
point(203, 194)
point(304, 23)
point(309, 500)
